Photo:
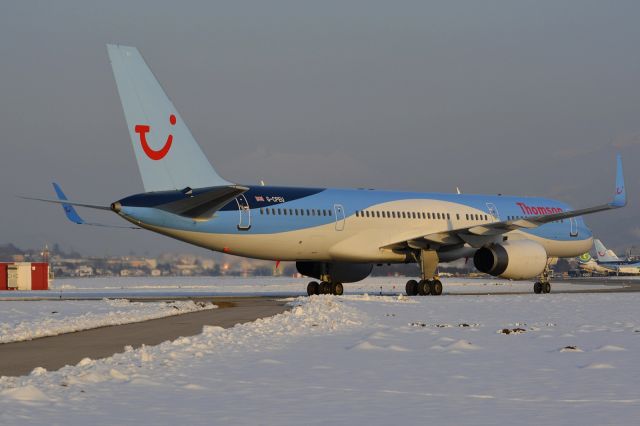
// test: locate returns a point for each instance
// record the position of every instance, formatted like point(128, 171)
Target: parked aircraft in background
point(589, 264)
point(608, 262)
point(333, 235)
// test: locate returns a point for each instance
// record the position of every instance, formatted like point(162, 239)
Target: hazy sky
point(527, 97)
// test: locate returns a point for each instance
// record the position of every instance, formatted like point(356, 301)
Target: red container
point(3, 276)
point(39, 276)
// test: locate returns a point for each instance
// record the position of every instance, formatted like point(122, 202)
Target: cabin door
point(339, 211)
point(574, 227)
point(245, 213)
point(493, 210)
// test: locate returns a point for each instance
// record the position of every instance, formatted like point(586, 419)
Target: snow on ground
point(209, 286)
point(560, 359)
point(26, 320)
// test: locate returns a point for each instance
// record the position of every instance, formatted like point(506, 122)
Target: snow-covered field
point(209, 286)
point(26, 320)
point(559, 359)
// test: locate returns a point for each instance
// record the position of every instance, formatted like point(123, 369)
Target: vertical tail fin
point(167, 154)
point(604, 255)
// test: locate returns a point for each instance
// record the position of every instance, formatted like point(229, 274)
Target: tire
point(313, 288)
point(411, 288)
point(338, 289)
point(324, 288)
point(537, 288)
point(423, 288)
point(547, 287)
point(435, 288)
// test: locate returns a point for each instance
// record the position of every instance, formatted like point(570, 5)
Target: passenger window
point(457, 216)
point(261, 211)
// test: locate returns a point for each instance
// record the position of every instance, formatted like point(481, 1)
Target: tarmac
point(53, 353)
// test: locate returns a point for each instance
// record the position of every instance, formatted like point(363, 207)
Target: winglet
point(620, 197)
point(69, 210)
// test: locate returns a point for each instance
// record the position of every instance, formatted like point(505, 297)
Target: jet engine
point(516, 260)
point(338, 271)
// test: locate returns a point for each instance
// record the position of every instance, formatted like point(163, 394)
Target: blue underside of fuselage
point(225, 221)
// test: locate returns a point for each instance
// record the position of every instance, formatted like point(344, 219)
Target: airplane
point(608, 259)
point(587, 263)
point(335, 236)
point(603, 254)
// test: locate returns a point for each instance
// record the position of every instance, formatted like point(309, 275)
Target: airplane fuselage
point(349, 225)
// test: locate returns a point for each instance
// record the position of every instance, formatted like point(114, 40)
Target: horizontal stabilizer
point(201, 204)
point(70, 211)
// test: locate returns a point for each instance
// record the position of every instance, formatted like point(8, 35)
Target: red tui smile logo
point(143, 129)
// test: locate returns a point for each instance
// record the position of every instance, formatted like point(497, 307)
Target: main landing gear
point(543, 285)
point(428, 284)
point(325, 287)
point(424, 287)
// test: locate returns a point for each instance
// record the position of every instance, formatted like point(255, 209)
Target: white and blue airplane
point(608, 262)
point(333, 235)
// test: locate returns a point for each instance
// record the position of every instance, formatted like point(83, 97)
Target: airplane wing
point(70, 211)
point(479, 235)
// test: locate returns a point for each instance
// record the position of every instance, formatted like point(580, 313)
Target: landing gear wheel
point(424, 289)
point(324, 288)
point(546, 288)
point(338, 289)
point(313, 288)
point(537, 288)
point(412, 288)
point(435, 288)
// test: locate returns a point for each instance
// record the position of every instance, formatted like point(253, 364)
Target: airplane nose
point(116, 207)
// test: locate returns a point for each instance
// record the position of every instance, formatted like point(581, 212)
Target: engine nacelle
point(516, 260)
point(338, 271)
